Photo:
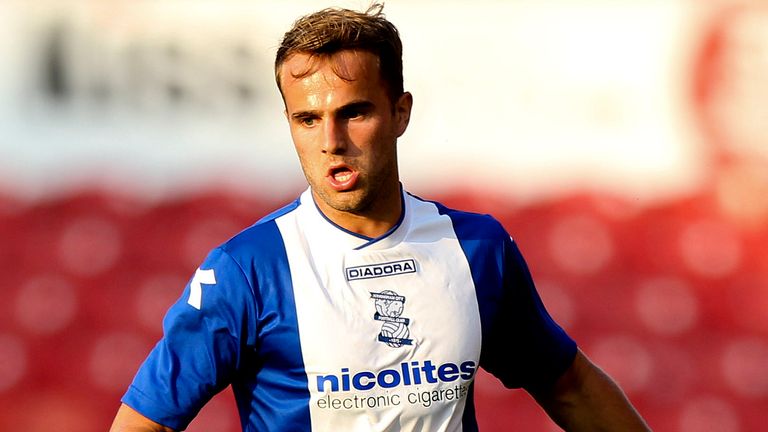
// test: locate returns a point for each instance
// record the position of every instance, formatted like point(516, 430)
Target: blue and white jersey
point(320, 329)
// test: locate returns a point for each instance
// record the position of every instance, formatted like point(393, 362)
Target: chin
point(353, 202)
point(348, 201)
point(352, 206)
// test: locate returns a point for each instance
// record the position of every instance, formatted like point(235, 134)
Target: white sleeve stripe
point(195, 287)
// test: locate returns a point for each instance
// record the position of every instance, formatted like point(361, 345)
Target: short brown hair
point(329, 31)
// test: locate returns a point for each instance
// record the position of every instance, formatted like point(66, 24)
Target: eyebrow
point(305, 114)
point(352, 106)
point(356, 105)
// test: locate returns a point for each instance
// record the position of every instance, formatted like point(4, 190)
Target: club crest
point(389, 310)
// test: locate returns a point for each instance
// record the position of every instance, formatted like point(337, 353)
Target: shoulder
point(469, 225)
point(260, 239)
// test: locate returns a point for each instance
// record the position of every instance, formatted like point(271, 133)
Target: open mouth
point(341, 174)
point(342, 178)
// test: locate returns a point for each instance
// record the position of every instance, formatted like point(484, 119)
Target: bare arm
point(587, 399)
point(129, 420)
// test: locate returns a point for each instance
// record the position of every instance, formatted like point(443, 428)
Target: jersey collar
point(346, 239)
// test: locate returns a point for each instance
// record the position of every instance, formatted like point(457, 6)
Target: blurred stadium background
point(623, 143)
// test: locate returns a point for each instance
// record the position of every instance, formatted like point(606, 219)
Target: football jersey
point(321, 329)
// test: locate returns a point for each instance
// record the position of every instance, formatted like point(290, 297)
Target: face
point(345, 132)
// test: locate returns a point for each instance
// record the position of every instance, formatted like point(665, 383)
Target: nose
point(334, 137)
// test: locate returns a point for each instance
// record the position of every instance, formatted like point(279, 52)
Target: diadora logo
point(389, 308)
point(381, 270)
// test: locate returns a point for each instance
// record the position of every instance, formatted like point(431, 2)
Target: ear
point(403, 112)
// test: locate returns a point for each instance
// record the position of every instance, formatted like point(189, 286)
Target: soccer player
point(360, 307)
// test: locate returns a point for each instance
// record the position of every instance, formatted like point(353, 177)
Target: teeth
point(343, 177)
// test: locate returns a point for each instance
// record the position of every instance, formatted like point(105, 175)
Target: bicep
point(562, 398)
point(585, 398)
point(130, 420)
point(573, 378)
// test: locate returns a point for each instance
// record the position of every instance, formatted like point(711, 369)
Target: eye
point(306, 120)
point(353, 114)
point(356, 111)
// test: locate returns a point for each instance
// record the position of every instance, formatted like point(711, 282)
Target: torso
point(389, 329)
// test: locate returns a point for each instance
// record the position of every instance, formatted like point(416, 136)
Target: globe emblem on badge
point(389, 308)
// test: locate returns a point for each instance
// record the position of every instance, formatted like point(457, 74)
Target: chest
point(416, 301)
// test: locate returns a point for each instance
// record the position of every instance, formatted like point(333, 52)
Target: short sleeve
point(204, 333)
point(525, 347)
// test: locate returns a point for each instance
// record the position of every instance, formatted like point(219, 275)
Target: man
point(361, 307)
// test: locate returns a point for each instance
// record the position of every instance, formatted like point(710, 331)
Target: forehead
point(355, 67)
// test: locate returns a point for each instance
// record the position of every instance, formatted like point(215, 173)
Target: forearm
point(587, 399)
point(128, 420)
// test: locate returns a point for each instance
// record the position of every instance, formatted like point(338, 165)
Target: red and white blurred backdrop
point(624, 145)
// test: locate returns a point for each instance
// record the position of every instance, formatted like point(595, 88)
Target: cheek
point(385, 145)
point(300, 137)
point(377, 138)
point(305, 158)
point(302, 143)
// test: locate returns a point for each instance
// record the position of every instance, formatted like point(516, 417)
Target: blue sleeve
point(523, 346)
point(204, 333)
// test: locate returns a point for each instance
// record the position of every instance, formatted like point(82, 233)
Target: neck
point(373, 221)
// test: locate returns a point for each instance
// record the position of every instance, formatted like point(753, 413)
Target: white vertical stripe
point(339, 334)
